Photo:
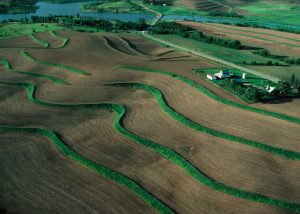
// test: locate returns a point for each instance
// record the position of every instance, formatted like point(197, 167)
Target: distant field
point(281, 12)
point(271, 40)
point(17, 29)
point(186, 168)
point(236, 56)
point(204, 5)
point(114, 7)
point(284, 73)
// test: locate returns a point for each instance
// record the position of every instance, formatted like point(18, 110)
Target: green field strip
point(5, 63)
point(164, 151)
point(100, 169)
point(41, 42)
point(212, 95)
point(249, 31)
point(69, 68)
point(198, 127)
point(64, 39)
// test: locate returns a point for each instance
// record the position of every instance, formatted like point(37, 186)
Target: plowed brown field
point(254, 37)
point(34, 171)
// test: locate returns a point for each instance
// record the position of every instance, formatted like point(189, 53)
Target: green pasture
point(282, 72)
point(286, 13)
point(113, 7)
point(230, 55)
point(175, 10)
point(251, 78)
point(19, 29)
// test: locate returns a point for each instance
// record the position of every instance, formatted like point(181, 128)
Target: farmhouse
point(270, 89)
point(211, 77)
point(223, 74)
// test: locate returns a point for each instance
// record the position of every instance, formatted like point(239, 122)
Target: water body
point(230, 21)
point(72, 9)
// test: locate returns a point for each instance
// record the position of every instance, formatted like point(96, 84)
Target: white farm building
point(211, 77)
point(223, 74)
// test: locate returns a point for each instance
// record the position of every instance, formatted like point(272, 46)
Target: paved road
point(200, 53)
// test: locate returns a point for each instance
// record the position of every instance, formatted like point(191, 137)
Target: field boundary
point(69, 68)
point(260, 38)
point(249, 31)
point(213, 96)
point(39, 41)
point(65, 40)
point(292, 155)
point(164, 151)
point(6, 64)
point(100, 169)
point(209, 57)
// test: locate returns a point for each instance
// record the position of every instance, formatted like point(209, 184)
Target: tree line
point(288, 60)
point(192, 33)
point(21, 6)
point(255, 25)
point(70, 21)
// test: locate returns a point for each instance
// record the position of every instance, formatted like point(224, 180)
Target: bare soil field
point(19, 42)
point(52, 41)
point(272, 40)
point(204, 5)
point(36, 178)
point(90, 132)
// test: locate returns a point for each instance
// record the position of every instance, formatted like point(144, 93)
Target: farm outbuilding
point(224, 74)
point(211, 77)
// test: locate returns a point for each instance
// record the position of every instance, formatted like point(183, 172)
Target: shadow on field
point(246, 47)
point(280, 100)
point(2, 210)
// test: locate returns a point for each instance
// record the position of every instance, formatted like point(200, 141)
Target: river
point(46, 9)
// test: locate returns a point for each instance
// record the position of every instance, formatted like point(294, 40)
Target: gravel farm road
point(200, 53)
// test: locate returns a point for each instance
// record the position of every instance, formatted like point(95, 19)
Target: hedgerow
point(189, 123)
point(41, 42)
point(214, 96)
point(8, 67)
point(69, 68)
point(102, 170)
point(166, 152)
point(64, 39)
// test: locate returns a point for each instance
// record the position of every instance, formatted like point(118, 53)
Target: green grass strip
point(102, 170)
point(64, 39)
point(214, 96)
point(198, 127)
point(166, 152)
point(249, 31)
point(41, 42)
point(53, 79)
point(69, 68)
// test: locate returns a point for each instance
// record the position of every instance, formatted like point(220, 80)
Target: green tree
point(292, 79)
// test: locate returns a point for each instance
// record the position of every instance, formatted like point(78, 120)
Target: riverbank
point(18, 7)
point(116, 6)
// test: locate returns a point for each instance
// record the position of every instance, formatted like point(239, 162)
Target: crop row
point(41, 42)
point(8, 67)
point(69, 68)
point(198, 127)
point(102, 170)
point(214, 96)
point(166, 152)
point(64, 39)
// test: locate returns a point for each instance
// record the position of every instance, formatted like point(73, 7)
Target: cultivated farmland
point(115, 123)
point(272, 40)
